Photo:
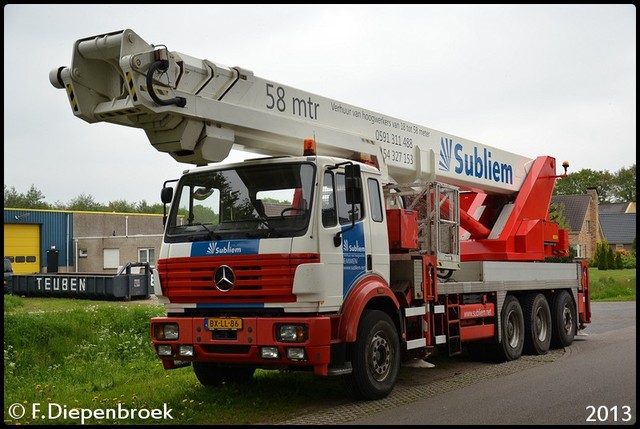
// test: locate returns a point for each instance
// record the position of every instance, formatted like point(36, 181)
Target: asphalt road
point(593, 381)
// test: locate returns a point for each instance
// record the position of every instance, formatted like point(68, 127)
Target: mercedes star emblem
point(224, 278)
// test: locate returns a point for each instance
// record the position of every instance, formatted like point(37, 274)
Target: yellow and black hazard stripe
point(132, 87)
point(122, 112)
point(72, 98)
point(158, 91)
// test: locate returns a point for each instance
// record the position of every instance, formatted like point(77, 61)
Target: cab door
point(344, 236)
point(378, 235)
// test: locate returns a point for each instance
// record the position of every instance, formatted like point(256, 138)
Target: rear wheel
point(375, 357)
point(213, 374)
point(563, 315)
point(537, 324)
point(512, 323)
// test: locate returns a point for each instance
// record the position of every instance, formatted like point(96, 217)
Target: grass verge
point(612, 285)
point(62, 355)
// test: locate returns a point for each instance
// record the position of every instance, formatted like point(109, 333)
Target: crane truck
point(356, 243)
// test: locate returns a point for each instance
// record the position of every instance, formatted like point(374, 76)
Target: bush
point(606, 259)
point(618, 261)
point(628, 259)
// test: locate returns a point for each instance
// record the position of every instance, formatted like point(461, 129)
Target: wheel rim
point(541, 326)
point(567, 320)
point(380, 350)
point(513, 330)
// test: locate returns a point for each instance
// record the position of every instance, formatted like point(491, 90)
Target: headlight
point(269, 353)
point(165, 350)
point(167, 331)
point(185, 351)
point(292, 333)
point(296, 353)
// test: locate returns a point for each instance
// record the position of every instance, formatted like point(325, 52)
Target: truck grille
point(258, 278)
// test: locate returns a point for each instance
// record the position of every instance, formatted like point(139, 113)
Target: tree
point(578, 183)
point(144, 207)
point(600, 257)
point(625, 185)
point(612, 188)
point(121, 206)
point(619, 265)
point(33, 199)
point(611, 259)
point(84, 202)
point(12, 198)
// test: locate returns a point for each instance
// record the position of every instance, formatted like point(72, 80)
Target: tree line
point(618, 187)
point(35, 199)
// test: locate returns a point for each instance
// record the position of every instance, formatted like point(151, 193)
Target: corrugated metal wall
point(56, 229)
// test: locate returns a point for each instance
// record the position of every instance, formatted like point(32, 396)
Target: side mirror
point(353, 184)
point(166, 194)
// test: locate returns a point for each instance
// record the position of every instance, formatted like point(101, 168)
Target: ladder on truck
point(437, 206)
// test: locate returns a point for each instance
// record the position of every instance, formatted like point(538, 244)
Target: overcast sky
point(557, 80)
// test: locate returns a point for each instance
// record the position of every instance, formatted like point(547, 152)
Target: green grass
point(98, 354)
point(612, 285)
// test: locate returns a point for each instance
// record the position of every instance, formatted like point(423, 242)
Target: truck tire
point(375, 357)
point(212, 374)
point(512, 323)
point(563, 315)
point(537, 324)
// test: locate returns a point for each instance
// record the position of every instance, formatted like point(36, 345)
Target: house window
point(619, 247)
point(581, 250)
point(588, 225)
point(147, 255)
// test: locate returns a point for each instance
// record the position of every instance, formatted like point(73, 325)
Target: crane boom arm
point(197, 111)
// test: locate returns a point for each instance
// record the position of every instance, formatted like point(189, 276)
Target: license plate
point(226, 323)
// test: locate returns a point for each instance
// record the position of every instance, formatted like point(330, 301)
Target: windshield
point(259, 201)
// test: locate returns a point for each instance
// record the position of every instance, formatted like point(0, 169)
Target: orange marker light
point(309, 147)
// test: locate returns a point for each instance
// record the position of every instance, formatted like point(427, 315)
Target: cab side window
point(375, 201)
point(329, 213)
point(345, 211)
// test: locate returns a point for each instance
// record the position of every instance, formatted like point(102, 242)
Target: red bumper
point(245, 345)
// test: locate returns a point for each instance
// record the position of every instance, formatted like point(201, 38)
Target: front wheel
point(375, 357)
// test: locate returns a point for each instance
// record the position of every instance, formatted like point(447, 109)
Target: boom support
point(197, 110)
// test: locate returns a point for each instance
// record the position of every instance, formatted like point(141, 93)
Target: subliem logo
point(224, 248)
point(473, 164)
point(215, 249)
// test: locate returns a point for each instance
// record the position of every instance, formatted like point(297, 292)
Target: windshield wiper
point(265, 222)
point(211, 235)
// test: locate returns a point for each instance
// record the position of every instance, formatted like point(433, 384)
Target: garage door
point(22, 246)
